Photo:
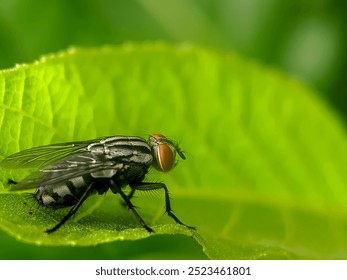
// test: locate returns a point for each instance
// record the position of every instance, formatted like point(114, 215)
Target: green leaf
point(264, 175)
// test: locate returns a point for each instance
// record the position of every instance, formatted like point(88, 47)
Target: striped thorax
point(124, 148)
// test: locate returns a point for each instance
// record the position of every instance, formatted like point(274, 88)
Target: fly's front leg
point(155, 186)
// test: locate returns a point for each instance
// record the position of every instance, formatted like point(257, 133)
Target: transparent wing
point(72, 167)
point(44, 155)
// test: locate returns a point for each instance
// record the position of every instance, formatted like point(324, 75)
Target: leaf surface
point(265, 170)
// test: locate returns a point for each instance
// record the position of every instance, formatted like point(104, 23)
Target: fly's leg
point(73, 209)
point(156, 186)
point(130, 196)
point(132, 207)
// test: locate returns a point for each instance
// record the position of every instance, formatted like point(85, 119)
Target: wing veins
point(38, 178)
point(39, 157)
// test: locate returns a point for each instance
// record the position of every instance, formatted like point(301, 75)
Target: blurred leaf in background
point(306, 39)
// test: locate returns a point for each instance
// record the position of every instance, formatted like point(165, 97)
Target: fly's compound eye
point(164, 152)
point(164, 157)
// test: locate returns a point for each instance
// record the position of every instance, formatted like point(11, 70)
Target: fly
point(70, 172)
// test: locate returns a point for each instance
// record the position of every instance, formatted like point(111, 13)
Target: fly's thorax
point(164, 152)
point(124, 149)
point(131, 172)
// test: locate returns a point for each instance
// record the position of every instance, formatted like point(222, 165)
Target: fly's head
point(164, 152)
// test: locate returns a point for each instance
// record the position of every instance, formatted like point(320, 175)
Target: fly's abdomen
point(63, 194)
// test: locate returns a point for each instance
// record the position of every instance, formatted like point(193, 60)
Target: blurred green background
point(305, 39)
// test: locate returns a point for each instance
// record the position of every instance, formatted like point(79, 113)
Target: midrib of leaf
point(236, 197)
point(333, 217)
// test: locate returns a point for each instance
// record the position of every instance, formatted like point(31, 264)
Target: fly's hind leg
point(155, 186)
point(73, 210)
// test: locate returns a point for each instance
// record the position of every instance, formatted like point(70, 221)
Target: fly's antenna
point(180, 152)
point(178, 149)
